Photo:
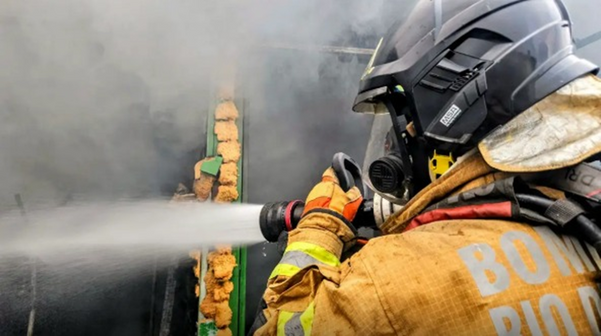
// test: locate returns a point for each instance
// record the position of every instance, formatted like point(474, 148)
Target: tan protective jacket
point(451, 277)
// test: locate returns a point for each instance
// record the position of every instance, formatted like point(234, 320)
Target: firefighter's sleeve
point(312, 257)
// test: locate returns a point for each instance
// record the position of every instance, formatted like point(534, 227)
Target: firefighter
point(491, 122)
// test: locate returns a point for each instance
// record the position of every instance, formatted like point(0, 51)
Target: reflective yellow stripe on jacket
point(296, 324)
point(299, 255)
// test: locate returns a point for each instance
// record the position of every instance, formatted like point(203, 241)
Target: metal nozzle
point(278, 217)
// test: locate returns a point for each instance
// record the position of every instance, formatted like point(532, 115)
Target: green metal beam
point(237, 298)
point(207, 328)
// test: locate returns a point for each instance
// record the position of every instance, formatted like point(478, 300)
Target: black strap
point(583, 180)
point(563, 211)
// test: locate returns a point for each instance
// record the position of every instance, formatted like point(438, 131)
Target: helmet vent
point(462, 80)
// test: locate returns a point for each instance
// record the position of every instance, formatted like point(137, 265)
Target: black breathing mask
point(390, 174)
point(396, 162)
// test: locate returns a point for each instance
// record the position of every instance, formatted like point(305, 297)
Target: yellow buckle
point(440, 164)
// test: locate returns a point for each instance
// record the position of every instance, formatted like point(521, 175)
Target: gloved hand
point(330, 208)
point(327, 196)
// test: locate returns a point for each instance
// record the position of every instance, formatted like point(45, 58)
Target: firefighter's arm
point(311, 257)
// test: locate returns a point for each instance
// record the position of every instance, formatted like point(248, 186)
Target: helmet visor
point(369, 101)
point(380, 144)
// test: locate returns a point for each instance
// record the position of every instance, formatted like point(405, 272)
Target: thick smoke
point(109, 98)
point(106, 99)
point(584, 25)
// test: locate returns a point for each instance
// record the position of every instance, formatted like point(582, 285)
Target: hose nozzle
point(277, 217)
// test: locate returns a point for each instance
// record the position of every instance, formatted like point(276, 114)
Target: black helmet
point(457, 69)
